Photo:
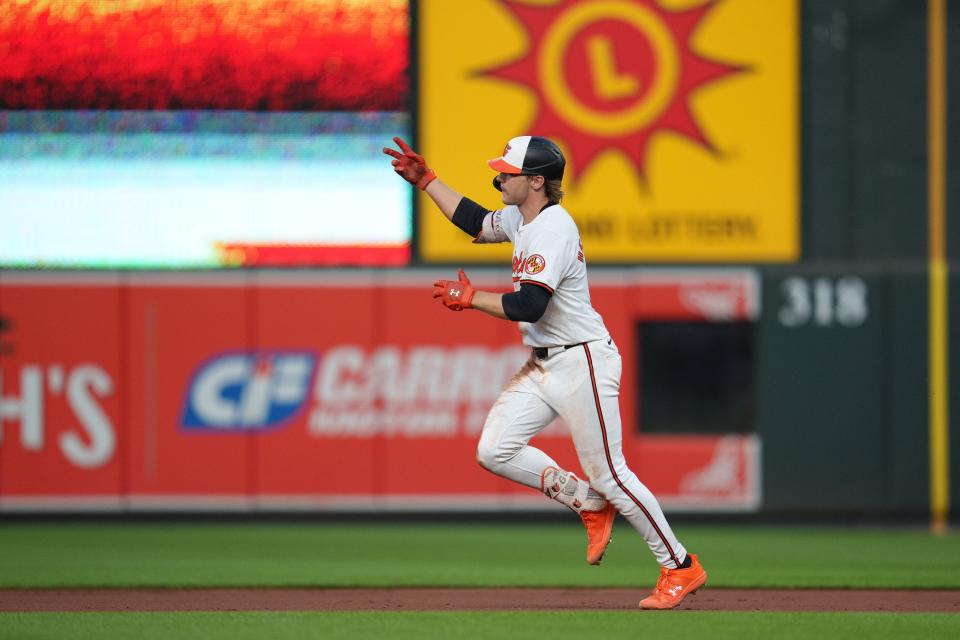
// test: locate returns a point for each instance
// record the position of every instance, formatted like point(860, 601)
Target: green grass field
point(390, 554)
point(367, 555)
point(583, 625)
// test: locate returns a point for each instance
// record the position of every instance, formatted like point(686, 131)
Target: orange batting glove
point(454, 294)
point(410, 165)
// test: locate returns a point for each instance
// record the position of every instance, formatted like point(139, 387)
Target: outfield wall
point(355, 391)
point(337, 390)
point(843, 409)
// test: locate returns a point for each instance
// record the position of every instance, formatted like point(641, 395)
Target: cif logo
point(248, 390)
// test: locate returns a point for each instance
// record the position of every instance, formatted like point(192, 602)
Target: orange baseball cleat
point(674, 585)
point(599, 526)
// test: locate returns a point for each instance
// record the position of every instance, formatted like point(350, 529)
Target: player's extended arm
point(411, 166)
point(490, 303)
point(526, 305)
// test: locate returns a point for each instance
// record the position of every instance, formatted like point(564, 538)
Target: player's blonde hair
point(553, 190)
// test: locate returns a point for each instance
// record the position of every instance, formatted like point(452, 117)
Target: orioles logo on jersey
point(535, 264)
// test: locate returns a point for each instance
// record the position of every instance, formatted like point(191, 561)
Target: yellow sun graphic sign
point(678, 119)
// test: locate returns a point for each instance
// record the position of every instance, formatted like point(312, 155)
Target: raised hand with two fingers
point(410, 165)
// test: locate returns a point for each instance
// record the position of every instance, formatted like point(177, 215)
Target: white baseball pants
point(582, 386)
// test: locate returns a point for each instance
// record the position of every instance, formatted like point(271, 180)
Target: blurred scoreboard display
point(202, 133)
point(678, 118)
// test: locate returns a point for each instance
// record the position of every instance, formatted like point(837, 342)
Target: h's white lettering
point(84, 380)
point(28, 408)
point(84, 384)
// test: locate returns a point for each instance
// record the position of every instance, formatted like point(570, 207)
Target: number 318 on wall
point(823, 302)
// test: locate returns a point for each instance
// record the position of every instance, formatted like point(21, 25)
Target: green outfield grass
point(583, 625)
point(346, 555)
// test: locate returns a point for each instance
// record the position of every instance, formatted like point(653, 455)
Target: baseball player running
point(574, 367)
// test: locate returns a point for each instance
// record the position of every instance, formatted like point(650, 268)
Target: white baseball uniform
point(579, 379)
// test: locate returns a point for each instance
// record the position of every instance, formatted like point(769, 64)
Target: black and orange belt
point(542, 353)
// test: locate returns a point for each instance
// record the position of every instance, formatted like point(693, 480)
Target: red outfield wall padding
point(172, 331)
point(349, 391)
point(61, 391)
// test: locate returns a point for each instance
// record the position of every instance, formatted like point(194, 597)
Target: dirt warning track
point(436, 599)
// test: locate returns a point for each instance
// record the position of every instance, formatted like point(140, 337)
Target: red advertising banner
point(333, 390)
point(173, 331)
point(60, 390)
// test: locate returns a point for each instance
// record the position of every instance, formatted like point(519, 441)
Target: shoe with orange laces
point(674, 585)
point(599, 526)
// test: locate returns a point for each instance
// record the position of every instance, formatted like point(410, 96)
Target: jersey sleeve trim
point(491, 229)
